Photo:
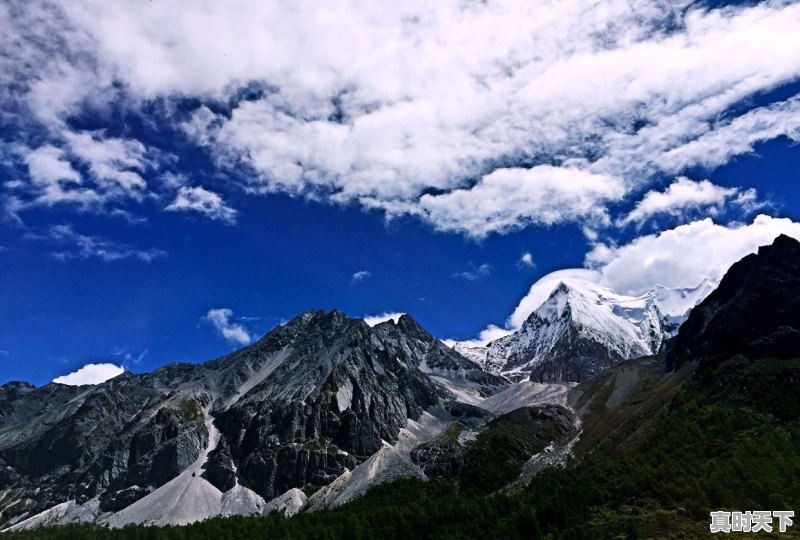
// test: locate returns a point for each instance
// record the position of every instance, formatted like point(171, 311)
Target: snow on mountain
point(677, 303)
point(583, 327)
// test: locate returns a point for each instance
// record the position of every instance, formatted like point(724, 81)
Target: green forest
point(704, 452)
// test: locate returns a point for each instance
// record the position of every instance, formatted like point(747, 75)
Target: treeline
point(698, 456)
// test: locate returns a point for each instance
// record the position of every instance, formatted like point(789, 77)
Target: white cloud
point(222, 320)
point(128, 357)
point(91, 374)
point(475, 272)
point(679, 258)
point(74, 245)
point(372, 320)
point(48, 165)
point(508, 199)
point(429, 99)
point(116, 163)
point(487, 335)
point(685, 255)
point(720, 140)
point(360, 276)
point(684, 195)
point(198, 199)
point(540, 291)
point(113, 166)
point(526, 260)
point(54, 180)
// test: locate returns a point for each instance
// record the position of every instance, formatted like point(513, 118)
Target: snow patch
point(344, 395)
point(463, 392)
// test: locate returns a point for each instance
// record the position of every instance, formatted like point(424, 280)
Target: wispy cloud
point(74, 245)
point(474, 273)
point(87, 170)
point(684, 196)
point(361, 275)
point(222, 321)
point(526, 260)
point(208, 203)
point(127, 357)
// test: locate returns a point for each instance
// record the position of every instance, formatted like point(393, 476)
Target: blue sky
point(170, 192)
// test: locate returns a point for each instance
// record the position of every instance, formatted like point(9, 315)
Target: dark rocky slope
point(313, 398)
point(755, 311)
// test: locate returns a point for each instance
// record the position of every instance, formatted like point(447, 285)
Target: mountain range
point(326, 406)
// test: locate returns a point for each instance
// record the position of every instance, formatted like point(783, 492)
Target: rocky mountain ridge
point(299, 408)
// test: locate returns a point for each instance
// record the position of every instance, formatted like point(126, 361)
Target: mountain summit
point(305, 405)
point(581, 329)
point(755, 311)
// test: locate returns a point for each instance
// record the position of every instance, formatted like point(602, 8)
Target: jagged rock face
point(443, 456)
point(477, 456)
point(85, 441)
point(440, 361)
point(219, 469)
point(755, 311)
point(580, 330)
point(313, 398)
point(341, 388)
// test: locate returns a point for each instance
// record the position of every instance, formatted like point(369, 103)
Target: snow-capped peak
point(586, 327)
point(678, 302)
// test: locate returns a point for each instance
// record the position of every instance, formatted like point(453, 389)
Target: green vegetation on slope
point(698, 455)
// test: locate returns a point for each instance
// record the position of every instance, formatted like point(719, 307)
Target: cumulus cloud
point(526, 260)
point(372, 320)
point(73, 245)
point(198, 199)
point(678, 258)
point(91, 374)
point(222, 321)
point(474, 273)
point(684, 256)
point(516, 113)
point(508, 199)
point(487, 335)
point(685, 195)
point(361, 275)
